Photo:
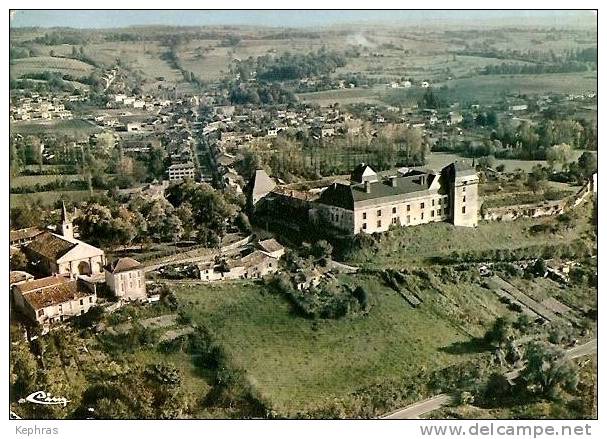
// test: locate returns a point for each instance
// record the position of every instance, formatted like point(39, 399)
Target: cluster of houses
point(38, 107)
point(254, 265)
point(68, 274)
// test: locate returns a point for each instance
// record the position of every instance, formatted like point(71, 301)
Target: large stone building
point(181, 171)
point(63, 254)
point(373, 202)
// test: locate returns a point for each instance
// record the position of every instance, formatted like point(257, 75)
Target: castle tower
point(67, 228)
point(463, 194)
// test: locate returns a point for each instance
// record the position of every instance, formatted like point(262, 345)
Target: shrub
point(362, 296)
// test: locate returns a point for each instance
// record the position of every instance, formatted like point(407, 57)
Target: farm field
point(73, 127)
point(32, 180)
point(39, 64)
point(344, 96)
point(438, 160)
point(488, 87)
point(49, 198)
point(299, 364)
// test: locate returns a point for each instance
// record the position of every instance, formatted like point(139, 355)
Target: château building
point(373, 202)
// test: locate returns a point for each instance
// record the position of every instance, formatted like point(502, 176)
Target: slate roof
point(358, 173)
point(462, 169)
point(339, 195)
point(261, 183)
point(345, 196)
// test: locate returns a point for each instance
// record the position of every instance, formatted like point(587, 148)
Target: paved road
point(414, 411)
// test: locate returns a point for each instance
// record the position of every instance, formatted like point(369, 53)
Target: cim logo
point(42, 397)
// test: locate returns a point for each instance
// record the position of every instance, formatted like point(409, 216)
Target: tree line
point(534, 69)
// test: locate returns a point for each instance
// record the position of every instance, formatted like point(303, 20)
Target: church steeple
point(67, 228)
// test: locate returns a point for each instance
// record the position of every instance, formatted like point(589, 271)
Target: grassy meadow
point(299, 364)
point(40, 64)
point(407, 245)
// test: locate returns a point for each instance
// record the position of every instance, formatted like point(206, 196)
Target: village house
point(454, 118)
point(53, 299)
point(21, 237)
point(272, 248)
point(181, 171)
point(63, 254)
point(126, 279)
point(320, 132)
point(254, 265)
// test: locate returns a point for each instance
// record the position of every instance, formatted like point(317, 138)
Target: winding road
point(414, 411)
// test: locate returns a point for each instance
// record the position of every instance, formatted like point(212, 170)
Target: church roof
point(53, 247)
point(50, 246)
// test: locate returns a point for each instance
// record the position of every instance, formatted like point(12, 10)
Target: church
point(53, 253)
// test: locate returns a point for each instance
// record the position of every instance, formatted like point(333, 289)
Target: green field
point(70, 127)
point(405, 245)
point(299, 364)
point(344, 96)
point(39, 64)
point(32, 180)
point(49, 198)
point(438, 160)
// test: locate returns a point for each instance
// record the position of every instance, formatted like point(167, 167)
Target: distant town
point(240, 222)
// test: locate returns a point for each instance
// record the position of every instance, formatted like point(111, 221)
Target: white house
point(126, 279)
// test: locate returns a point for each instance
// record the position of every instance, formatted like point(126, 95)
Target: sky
point(88, 19)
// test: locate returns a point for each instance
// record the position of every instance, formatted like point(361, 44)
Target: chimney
point(422, 180)
point(393, 181)
point(368, 187)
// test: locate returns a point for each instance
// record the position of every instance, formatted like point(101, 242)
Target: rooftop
point(270, 245)
point(122, 265)
point(54, 293)
point(44, 282)
point(51, 246)
point(27, 233)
